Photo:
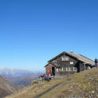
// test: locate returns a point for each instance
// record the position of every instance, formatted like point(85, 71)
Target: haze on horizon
point(34, 31)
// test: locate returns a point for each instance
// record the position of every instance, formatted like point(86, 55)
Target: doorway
point(53, 71)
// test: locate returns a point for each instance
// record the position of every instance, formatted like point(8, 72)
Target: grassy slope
point(80, 85)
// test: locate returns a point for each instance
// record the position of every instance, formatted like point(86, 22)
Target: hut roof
point(77, 56)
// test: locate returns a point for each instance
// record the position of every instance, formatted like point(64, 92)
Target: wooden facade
point(68, 63)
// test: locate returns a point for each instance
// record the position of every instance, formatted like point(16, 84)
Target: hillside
point(79, 85)
point(5, 88)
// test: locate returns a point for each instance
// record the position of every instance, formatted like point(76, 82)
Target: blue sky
point(34, 31)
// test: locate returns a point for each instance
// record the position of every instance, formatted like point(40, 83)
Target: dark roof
point(76, 56)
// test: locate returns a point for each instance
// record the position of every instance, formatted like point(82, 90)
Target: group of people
point(45, 77)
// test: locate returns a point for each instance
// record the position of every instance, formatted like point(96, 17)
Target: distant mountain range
point(19, 78)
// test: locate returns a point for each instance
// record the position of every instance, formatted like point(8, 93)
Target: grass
point(36, 89)
point(79, 85)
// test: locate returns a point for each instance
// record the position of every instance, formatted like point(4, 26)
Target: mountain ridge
point(19, 78)
point(5, 87)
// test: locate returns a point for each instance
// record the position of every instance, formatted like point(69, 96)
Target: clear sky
point(34, 31)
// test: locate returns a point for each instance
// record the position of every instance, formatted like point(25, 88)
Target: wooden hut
point(68, 63)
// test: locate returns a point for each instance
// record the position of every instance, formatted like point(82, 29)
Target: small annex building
point(68, 63)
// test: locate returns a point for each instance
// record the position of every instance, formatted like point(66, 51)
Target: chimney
point(96, 62)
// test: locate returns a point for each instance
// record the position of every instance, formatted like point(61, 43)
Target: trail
point(47, 91)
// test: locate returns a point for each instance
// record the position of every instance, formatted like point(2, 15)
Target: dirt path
point(53, 91)
point(47, 91)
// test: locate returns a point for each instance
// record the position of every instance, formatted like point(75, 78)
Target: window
point(65, 58)
point(71, 63)
point(74, 69)
point(54, 61)
point(62, 69)
point(57, 70)
point(68, 69)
